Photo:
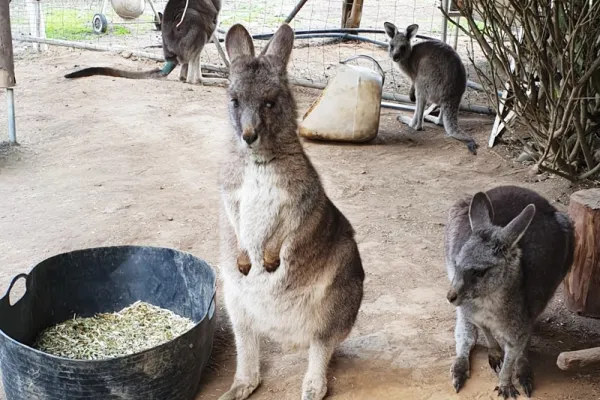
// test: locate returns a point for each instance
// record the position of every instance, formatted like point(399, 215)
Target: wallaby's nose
point(249, 136)
point(452, 296)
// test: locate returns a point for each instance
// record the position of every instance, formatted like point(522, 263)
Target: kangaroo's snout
point(249, 136)
point(452, 296)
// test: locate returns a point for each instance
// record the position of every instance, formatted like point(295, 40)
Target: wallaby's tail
point(152, 74)
point(450, 117)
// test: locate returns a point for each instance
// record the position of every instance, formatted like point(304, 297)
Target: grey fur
point(290, 265)
point(182, 44)
point(438, 76)
point(507, 251)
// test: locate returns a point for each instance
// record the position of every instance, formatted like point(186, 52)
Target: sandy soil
point(105, 161)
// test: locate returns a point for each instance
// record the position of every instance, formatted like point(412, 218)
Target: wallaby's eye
point(269, 104)
point(235, 103)
point(479, 273)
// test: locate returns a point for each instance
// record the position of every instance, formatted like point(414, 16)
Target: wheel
point(158, 21)
point(99, 24)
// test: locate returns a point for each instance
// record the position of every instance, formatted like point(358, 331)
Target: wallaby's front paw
point(240, 391)
point(507, 391)
point(271, 262)
point(314, 389)
point(460, 373)
point(495, 358)
point(243, 262)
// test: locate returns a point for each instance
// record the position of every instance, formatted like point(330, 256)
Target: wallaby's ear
point(238, 42)
point(280, 46)
point(481, 212)
point(390, 29)
point(411, 31)
point(514, 231)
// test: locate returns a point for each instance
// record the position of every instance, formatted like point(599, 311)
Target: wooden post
point(346, 10)
point(37, 26)
point(7, 67)
point(582, 284)
point(353, 20)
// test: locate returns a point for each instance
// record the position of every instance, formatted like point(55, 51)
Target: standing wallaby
point(290, 266)
point(438, 76)
point(186, 27)
point(507, 250)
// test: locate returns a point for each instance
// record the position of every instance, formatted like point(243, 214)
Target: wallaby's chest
point(261, 202)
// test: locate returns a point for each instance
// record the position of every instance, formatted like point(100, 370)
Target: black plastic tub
point(107, 279)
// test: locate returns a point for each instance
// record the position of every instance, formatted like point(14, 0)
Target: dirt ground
point(106, 161)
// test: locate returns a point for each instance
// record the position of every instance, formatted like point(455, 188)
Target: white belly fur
point(287, 316)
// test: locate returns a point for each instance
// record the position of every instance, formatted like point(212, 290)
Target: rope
point(183, 15)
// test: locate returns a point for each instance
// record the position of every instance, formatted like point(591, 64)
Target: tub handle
point(368, 58)
point(212, 307)
point(6, 297)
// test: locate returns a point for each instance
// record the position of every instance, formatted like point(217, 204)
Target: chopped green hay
point(135, 328)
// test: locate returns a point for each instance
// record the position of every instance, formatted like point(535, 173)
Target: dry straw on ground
point(138, 327)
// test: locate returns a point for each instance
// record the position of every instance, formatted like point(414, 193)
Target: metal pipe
point(12, 129)
point(295, 11)
point(393, 96)
point(396, 106)
point(266, 36)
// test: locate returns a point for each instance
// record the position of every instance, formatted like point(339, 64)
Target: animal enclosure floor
point(107, 161)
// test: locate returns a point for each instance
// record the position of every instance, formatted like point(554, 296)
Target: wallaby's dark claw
point(526, 380)
point(508, 391)
point(495, 361)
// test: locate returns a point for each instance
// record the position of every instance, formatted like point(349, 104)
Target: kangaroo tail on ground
point(152, 74)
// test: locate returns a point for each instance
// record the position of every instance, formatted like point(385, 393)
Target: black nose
point(452, 296)
point(251, 138)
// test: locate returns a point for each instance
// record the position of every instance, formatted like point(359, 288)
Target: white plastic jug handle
point(370, 58)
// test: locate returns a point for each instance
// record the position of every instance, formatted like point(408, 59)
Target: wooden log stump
point(578, 359)
point(582, 284)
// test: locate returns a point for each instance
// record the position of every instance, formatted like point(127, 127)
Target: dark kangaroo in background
point(181, 44)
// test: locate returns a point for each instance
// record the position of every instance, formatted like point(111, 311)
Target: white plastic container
point(348, 109)
point(129, 9)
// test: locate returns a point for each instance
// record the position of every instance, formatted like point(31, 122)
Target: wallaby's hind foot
point(507, 391)
point(183, 72)
point(240, 391)
point(409, 121)
point(524, 375)
point(439, 121)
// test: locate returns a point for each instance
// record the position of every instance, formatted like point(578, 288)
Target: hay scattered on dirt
point(135, 328)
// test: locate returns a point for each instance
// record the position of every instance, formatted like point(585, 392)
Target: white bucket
point(349, 107)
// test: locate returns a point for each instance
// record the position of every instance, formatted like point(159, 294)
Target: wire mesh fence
point(318, 49)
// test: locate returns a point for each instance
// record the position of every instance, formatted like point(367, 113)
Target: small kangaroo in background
point(438, 76)
point(186, 27)
point(290, 265)
point(507, 251)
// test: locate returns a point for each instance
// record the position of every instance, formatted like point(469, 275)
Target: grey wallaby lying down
point(184, 34)
point(290, 265)
point(507, 251)
point(438, 76)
